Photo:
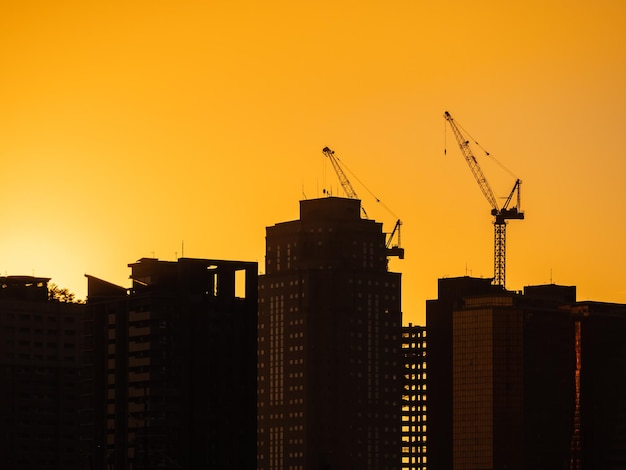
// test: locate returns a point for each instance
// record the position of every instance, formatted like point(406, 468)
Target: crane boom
point(501, 214)
point(466, 150)
point(343, 179)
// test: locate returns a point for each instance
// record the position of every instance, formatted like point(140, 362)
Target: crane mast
point(501, 214)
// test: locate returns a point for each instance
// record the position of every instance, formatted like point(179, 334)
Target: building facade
point(414, 397)
point(506, 395)
point(174, 382)
point(329, 361)
point(40, 364)
point(451, 291)
point(599, 438)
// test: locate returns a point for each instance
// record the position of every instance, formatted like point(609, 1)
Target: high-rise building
point(329, 360)
point(439, 379)
point(40, 363)
point(174, 383)
point(414, 397)
point(501, 395)
point(599, 438)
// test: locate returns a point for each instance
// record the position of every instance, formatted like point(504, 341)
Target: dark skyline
point(533, 377)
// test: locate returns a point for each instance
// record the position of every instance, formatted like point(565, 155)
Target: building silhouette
point(451, 291)
point(509, 379)
point(599, 439)
point(524, 380)
point(174, 366)
point(414, 397)
point(329, 360)
point(40, 363)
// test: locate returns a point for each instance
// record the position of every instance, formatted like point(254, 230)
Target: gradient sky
point(128, 127)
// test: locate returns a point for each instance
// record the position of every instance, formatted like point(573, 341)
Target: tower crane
point(501, 214)
point(392, 250)
point(343, 179)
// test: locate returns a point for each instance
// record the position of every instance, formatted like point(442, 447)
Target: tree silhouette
point(58, 294)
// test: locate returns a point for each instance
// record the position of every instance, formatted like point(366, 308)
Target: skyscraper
point(599, 439)
point(329, 365)
point(174, 382)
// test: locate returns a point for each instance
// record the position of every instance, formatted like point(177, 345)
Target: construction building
point(174, 366)
point(40, 359)
point(329, 360)
point(414, 397)
point(524, 380)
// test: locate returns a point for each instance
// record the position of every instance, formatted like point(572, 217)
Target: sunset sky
point(128, 128)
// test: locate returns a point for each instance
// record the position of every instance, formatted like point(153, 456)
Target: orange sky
point(127, 127)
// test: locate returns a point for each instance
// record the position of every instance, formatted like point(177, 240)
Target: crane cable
point(368, 190)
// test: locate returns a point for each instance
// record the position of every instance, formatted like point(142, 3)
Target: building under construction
point(173, 381)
